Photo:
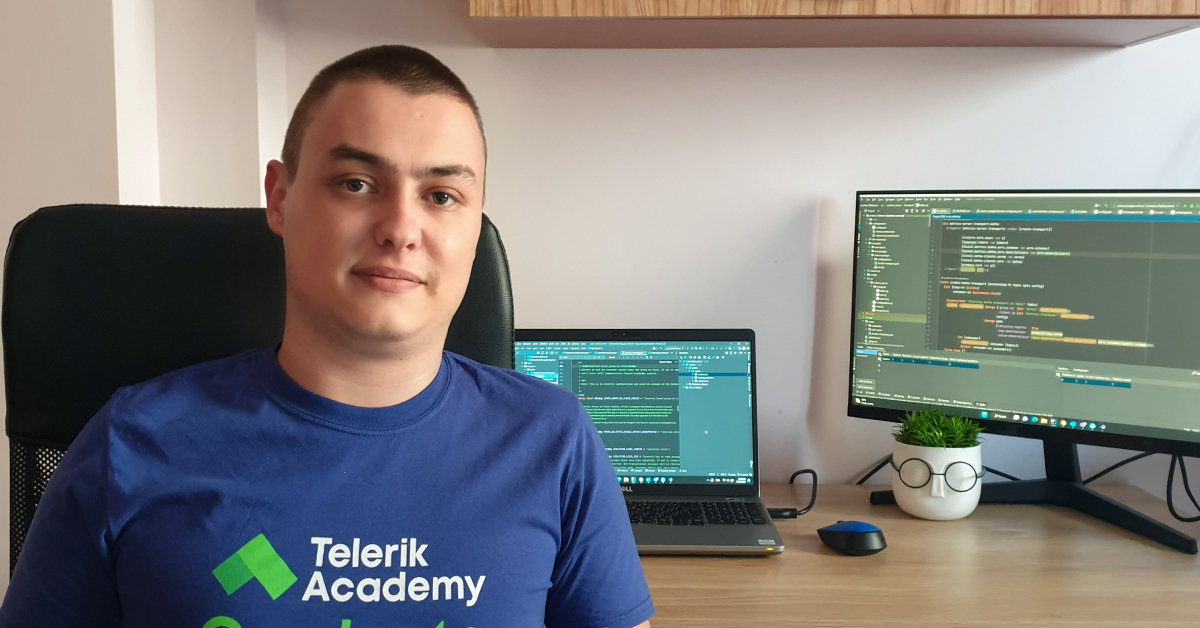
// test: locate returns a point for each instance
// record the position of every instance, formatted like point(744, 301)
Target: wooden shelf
point(814, 8)
point(827, 23)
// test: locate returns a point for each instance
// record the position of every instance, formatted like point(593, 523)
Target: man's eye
point(356, 186)
point(441, 198)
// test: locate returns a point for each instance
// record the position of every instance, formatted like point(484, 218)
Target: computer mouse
point(853, 538)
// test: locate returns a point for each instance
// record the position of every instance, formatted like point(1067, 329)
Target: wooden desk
point(1001, 566)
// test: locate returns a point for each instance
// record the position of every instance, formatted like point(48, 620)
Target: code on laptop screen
point(667, 412)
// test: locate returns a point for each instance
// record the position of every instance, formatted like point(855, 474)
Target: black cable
point(882, 464)
point(1117, 466)
point(1001, 474)
point(1170, 483)
point(790, 513)
point(1186, 488)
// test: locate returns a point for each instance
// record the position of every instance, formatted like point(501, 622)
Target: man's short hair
point(412, 70)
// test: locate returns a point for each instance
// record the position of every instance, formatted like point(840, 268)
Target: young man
point(357, 475)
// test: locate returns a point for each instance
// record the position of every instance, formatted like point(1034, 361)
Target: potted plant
point(937, 466)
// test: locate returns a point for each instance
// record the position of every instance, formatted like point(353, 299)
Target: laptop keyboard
point(695, 513)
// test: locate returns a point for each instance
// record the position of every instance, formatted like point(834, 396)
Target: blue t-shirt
point(227, 496)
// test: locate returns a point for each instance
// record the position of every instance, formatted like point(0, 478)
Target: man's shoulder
point(171, 412)
point(207, 382)
point(508, 388)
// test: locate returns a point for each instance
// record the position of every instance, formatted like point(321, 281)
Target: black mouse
point(853, 538)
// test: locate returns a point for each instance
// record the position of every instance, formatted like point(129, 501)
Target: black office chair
point(102, 296)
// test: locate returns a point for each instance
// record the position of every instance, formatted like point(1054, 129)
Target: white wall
point(57, 106)
point(58, 126)
point(716, 187)
point(207, 102)
point(271, 74)
point(137, 101)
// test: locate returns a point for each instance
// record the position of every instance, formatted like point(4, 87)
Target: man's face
point(382, 217)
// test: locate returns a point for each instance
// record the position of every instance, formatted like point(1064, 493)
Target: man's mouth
point(387, 278)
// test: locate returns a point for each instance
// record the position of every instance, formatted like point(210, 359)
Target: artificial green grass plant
point(930, 428)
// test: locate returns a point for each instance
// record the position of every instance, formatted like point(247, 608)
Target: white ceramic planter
point(936, 500)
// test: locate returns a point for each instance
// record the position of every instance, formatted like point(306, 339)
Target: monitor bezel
point(651, 335)
point(1022, 430)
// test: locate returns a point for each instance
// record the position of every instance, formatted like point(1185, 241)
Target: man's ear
point(276, 188)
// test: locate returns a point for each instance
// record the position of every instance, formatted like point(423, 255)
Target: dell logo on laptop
point(627, 489)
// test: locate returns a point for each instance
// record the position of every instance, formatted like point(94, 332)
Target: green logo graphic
point(256, 560)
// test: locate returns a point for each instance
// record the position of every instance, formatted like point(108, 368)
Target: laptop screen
point(668, 412)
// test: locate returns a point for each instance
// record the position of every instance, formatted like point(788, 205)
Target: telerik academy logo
point(257, 560)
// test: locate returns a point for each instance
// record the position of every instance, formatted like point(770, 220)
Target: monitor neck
point(1062, 461)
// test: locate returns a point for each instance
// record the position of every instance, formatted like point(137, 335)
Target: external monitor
point(1066, 316)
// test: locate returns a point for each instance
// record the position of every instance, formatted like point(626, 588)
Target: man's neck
point(376, 379)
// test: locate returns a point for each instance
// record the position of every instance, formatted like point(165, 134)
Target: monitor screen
point(1074, 311)
point(668, 412)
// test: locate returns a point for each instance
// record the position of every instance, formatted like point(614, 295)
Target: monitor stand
point(1064, 487)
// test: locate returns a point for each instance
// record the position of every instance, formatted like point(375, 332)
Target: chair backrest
point(97, 297)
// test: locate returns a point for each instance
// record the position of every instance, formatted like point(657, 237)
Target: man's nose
point(399, 223)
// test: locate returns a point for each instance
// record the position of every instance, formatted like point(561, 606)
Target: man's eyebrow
point(460, 171)
point(343, 151)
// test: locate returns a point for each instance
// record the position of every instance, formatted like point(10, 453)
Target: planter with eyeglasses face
point(936, 483)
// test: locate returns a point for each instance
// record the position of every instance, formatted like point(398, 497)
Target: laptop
point(675, 409)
